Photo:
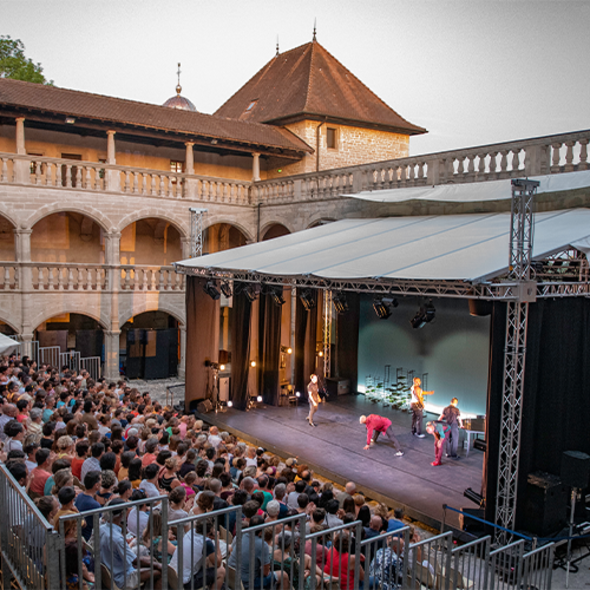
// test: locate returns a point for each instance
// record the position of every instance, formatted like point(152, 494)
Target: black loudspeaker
point(545, 504)
point(469, 525)
point(575, 469)
point(204, 407)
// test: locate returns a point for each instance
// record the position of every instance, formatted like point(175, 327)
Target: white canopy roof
point(7, 345)
point(444, 247)
point(492, 190)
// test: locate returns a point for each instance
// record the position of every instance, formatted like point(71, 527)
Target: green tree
point(14, 64)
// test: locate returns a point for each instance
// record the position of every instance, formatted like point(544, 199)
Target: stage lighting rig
point(250, 290)
point(276, 294)
point(423, 316)
point(384, 306)
point(226, 289)
point(286, 350)
point(340, 302)
point(211, 289)
point(307, 299)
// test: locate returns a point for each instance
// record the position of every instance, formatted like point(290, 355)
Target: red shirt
point(77, 467)
point(38, 479)
point(378, 423)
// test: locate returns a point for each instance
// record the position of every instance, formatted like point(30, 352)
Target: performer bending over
point(439, 430)
point(314, 398)
point(417, 406)
point(375, 426)
point(452, 416)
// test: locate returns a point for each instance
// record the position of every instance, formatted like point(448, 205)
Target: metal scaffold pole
point(521, 246)
point(197, 231)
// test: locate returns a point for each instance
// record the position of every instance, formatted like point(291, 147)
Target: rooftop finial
point(277, 46)
point(178, 86)
point(315, 22)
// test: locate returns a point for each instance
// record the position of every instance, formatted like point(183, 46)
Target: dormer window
point(251, 106)
point(248, 110)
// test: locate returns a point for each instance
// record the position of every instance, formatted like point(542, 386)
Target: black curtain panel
point(202, 338)
point(269, 349)
point(348, 341)
point(305, 342)
point(240, 356)
point(556, 404)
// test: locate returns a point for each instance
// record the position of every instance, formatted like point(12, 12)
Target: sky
point(472, 72)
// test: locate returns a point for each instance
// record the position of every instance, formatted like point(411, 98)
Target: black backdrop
point(240, 356)
point(269, 348)
point(556, 398)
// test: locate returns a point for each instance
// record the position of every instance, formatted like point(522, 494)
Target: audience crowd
point(76, 444)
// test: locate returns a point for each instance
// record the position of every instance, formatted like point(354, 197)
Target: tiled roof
point(308, 80)
point(50, 99)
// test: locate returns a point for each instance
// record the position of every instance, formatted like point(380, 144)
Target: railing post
point(52, 559)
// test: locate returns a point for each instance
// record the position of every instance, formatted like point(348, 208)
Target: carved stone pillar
point(111, 345)
point(23, 255)
point(21, 167)
point(111, 336)
point(112, 177)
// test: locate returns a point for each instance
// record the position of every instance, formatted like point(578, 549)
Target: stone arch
point(211, 222)
point(50, 311)
point(272, 226)
point(8, 322)
point(8, 216)
point(99, 218)
point(147, 305)
point(153, 212)
point(320, 221)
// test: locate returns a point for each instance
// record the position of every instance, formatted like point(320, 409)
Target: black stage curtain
point(202, 338)
point(556, 406)
point(348, 341)
point(305, 341)
point(269, 349)
point(240, 356)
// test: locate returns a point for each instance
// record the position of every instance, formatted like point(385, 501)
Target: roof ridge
point(366, 87)
point(310, 75)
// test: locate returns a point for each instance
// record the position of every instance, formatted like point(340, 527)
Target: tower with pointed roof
point(310, 93)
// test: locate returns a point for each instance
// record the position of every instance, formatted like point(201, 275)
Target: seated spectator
point(196, 572)
point(138, 516)
point(108, 481)
point(14, 435)
point(40, 474)
point(86, 501)
point(124, 490)
point(167, 479)
point(82, 448)
point(332, 509)
point(396, 522)
point(340, 563)
point(292, 498)
point(56, 466)
point(120, 559)
point(152, 539)
point(189, 462)
point(177, 499)
point(135, 473)
point(93, 462)
point(149, 457)
point(66, 497)
point(126, 459)
point(385, 567)
point(149, 484)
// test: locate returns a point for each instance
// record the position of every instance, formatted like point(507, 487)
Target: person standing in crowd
point(375, 426)
point(452, 416)
point(417, 406)
point(314, 398)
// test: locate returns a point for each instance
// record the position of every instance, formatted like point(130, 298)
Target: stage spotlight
point(340, 302)
point(297, 394)
point(474, 496)
point(252, 364)
point(212, 290)
point(276, 294)
point(307, 299)
point(259, 399)
point(230, 404)
point(226, 289)
point(424, 315)
point(251, 292)
point(383, 306)
point(222, 367)
point(286, 350)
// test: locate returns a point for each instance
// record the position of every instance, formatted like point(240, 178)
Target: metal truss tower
point(521, 247)
point(327, 314)
point(197, 231)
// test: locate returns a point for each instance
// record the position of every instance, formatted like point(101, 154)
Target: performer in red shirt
point(375, 426)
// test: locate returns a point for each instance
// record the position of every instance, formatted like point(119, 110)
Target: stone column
point(182, 359)
point(185, 243)
point(112, 177)
point(255, 167)
point(190, 184)
point(21, 167)
point(111, 336)
point(23, 255)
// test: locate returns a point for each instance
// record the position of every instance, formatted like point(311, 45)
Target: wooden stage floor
point(334, 449)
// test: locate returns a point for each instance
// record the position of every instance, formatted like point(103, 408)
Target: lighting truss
point(196, 234)
point(327, 331)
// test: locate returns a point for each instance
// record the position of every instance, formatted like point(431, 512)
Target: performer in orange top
point(417, 406)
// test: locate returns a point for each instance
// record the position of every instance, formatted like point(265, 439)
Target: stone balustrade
point(92, 176)
point(551, 154)
point(80, 277)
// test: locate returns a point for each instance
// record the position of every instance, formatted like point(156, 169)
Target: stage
point(334, 449)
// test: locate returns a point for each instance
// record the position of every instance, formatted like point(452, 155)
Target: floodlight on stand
point(286, 350)
point(222, 367)
point(259, 399)
point(297, 394)
point(211, 289)
point(307, 299)
point(226, 289)
point(340, 302)
point(252, 364)
point(230, 404)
